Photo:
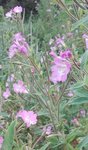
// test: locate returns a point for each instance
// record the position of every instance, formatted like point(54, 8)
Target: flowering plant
point(44, 86)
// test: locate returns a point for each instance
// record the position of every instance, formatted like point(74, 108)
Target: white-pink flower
point(20, 87)
point(85, 36)
point(12, 12)
point(29, 117)
point(1, 141)
point(52, 54)
point(7, 93)
point(48, 130)
point(17, 9)
point(9, 14)
point(19, 45)
point(66, 54)
point(60, 69)
point(75, 121)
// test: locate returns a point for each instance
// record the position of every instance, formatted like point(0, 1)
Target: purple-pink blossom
point(48, 130)
point(85, 36)
point(82, 113)
point(17, 9)
point(70, 94)
point(60, 69)
point(20, 87)
point(59, 41)
point(10, 78)
point(75, 121)
point(29, 117)
point(14, 11)
point(7, 93)
point(52, 54)
point(1, 141)
point(9, 14)
point(19, 45)
point(66, 54)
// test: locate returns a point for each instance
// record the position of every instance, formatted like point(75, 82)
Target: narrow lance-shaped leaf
point(9, 137)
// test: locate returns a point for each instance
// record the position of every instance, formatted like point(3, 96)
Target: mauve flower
point(52, 54)
point(59, 41)
point(48, 130)
point(17, 9)
point(75, 122)
point(70, 94)
point(85, 36)
point(12, 12)
point(20, 87)
point(10, 78)
point(17, 37)
point(53, 48)
point(1, 141)
point(19, 45)
point(66, 54)
point(23, 49)
point(7, 93)
point(9, 14)
point(59, 70)
point(29, 117)
point(82, 113)
point(12, 51)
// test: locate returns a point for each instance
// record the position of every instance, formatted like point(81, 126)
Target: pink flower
point(29, 117)
point(59, 70)
point(7, 93)
point(82, 113)
point(17, 9)
point(59, 41)
point(12, 12)
point(19, 45)
point(10, 78)
point(12, 51)
point(66, 54)
point(1, 141)
point(85, 36)
point(75, 122)
point(70, 94)
point(17, 37)
point(52, 54)
point(19, 87)
point(9, 14)
point(48, 130)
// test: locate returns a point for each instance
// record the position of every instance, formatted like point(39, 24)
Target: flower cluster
point(14, 11)
point(29, 117)
point(19, 45)
point(19, 87)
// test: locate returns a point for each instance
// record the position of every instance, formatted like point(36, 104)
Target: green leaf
point(84, 58)
point(78, 101)
point(81, 92)
point(69, 147)
point(80, 22)
point(45, 146)
point(83, 143)
point(9, 136)
point(72, 135)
